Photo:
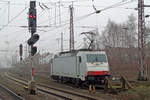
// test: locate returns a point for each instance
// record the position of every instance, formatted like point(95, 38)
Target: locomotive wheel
point(61, 80)
point(77, 83)
point(83, 85)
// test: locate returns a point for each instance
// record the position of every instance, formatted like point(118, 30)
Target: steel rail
point(42, 90)
point(56, 89)
point(68, 92)
point(16, 96)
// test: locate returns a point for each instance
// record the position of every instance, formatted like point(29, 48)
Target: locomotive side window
point(96, 58)
point(80, 60)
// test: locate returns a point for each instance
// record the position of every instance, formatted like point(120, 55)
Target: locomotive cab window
point(96, 58)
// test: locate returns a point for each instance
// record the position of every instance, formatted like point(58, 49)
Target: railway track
point(13, 95)
point(57, 92)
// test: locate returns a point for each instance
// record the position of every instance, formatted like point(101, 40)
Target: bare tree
point(131, 31)
point(120, 35)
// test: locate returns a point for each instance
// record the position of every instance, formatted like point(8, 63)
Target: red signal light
point(30, 16)
point(34, 16)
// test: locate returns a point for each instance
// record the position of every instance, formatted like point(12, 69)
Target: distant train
point(80, 67)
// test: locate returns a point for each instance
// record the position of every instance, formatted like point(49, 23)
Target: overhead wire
point(50, 2)
point(18, 32)
point(58, 14)
point(116, 5)
point(51, 18)
point(89, 6)
point(87, 15)
point(18, 4)
point(3, 18)
point(13, 18)
point(79, 18)
point(43, 8)
point(82, 17)
point(12, 33)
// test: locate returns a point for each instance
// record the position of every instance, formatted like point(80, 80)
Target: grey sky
point(16, 35)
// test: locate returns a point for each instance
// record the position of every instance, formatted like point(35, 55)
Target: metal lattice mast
point(71, 28)
point(141, 39)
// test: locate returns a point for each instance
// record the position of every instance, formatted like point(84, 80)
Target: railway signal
point(33, 39)
point(32, 17)
point(20, 51)
point(33, 50)
point(32, 4)
point(32, 27)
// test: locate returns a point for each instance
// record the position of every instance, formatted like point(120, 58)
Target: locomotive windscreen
point(96, 58)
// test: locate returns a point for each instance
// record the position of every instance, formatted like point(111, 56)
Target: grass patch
point(140, 92)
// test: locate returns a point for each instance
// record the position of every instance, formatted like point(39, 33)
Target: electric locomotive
point(81, 67)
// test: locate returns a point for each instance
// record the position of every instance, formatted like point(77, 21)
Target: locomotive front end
point(97, 67)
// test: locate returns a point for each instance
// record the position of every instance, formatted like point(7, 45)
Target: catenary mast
point(141, 40)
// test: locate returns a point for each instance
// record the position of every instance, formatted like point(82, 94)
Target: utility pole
point(59, 13)
point(62, 42)
point(71, 28)
point(58, 39)
point(141, 41)
point(8, 10)
point(55, 13)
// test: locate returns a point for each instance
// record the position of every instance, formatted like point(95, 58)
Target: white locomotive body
point(80, 67)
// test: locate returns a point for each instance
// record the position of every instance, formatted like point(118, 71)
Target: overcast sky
point(12, 35)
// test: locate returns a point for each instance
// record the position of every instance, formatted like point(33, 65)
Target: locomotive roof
point(76, 51)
